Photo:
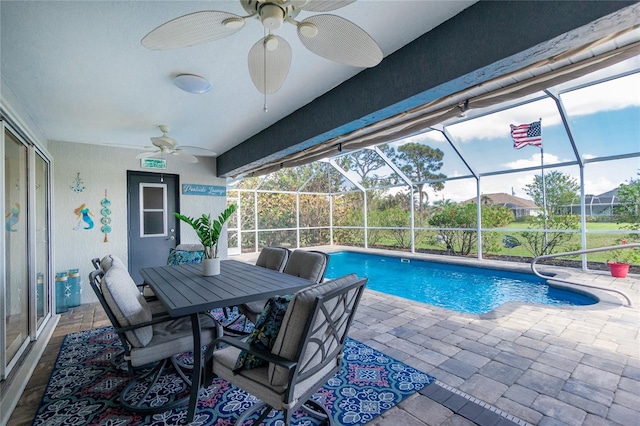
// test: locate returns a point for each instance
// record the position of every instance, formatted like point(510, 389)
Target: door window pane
point(153, 223)
point(153, 197)
point(16, 255)
point(153, 210)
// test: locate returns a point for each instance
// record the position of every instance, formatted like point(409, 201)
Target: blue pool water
point(461, 288)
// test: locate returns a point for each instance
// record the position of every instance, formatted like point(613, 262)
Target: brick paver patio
point(519, 363)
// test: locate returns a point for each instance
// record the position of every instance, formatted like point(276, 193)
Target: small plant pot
point(619, 270)
point(210, 267)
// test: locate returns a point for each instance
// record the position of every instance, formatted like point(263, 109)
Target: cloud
point(608, 96)
point(533, 161)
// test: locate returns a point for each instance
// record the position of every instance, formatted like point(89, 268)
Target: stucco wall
point(105, 168)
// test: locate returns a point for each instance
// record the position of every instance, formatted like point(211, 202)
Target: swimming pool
point(456, 287)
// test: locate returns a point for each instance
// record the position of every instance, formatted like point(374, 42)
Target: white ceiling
point(80, 71)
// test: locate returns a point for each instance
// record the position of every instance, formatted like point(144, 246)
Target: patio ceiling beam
point(486, 35)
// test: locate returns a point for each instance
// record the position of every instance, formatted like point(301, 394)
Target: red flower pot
point(619, 270)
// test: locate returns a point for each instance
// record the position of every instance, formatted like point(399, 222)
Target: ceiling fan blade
point(149, 154)
point(269, 68)
point(196, 150)
point(325, 5)
point(340, 40)
point(183, 156)
point(192, 29)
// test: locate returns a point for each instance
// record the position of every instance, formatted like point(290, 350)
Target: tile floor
point(520, 363)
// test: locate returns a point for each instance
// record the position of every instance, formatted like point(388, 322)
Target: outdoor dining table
point(184, 291)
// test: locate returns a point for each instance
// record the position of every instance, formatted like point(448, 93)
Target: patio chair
point(306, 352)
point(111, 261)
point(310, 265)
point(274, 258)
point(150, 344)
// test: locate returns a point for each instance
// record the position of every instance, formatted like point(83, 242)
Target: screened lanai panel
point(276, 210)
point(512, 190)
point(287, 179)
point(486, 143)
point(319, 180)
point(371, 169)
point(247, 183)
point(427, 156)
point(605, 117)
point(605, 204)
point(339, 183)
point(314, 210)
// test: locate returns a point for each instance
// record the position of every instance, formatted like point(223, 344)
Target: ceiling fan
point(329, 36)
point(163, 145)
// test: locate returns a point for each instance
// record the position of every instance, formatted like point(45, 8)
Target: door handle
point(171, 238)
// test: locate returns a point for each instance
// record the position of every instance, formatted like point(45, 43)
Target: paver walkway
point(517, 364)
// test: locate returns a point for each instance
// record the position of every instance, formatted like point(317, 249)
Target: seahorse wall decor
point(12, 218)
point(83, 216)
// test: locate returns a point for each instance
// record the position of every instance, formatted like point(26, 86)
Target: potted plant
point(208, 231)
point(621, 260)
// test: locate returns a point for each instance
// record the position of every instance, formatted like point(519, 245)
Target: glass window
point(153, 213)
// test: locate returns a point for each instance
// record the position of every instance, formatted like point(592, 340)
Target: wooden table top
point(183, 290)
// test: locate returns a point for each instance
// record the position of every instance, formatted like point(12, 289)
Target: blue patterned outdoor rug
point(84, 389)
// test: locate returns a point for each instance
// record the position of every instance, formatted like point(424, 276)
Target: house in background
point(520, 207)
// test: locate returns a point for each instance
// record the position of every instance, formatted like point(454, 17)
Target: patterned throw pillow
point(178, 257)
point(264, 333)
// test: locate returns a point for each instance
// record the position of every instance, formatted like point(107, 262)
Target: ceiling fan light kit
point(271, 15)
point(192, 83)
point(328, 36)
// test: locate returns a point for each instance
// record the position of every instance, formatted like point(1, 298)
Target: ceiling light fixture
point(192, 83)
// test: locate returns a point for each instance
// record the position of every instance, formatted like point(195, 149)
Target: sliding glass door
point(25, 253)
point(16, 256)
point(41, 243)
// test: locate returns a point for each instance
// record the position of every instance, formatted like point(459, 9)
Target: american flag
point(527, 134)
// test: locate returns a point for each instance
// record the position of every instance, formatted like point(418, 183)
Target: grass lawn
point(595, 239)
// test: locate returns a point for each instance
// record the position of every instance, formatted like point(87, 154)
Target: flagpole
point(544, 191)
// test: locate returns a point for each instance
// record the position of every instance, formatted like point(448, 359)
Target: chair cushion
point(295, 320)
point(256, 381)
point(190, 247)
point(264, 333)
point(178, 257)
point(110, 261)
point(273, 258)
point(309, 265)
point(127, 304)
point(172, 338)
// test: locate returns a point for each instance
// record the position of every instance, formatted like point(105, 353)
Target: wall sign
point(153, 163)
point(209, 190)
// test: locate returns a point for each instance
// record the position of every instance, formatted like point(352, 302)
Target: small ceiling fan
point(164, 145)
point(329, 36)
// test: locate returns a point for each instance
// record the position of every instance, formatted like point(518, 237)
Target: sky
point(604, 120)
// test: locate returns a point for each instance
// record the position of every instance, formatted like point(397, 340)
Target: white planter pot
point(210, 267)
